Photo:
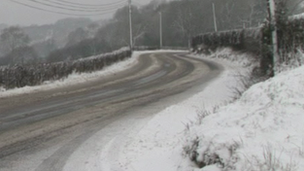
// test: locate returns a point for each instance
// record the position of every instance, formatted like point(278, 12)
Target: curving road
point(41, 131)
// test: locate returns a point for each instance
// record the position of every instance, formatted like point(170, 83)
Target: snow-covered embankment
point(261, 131)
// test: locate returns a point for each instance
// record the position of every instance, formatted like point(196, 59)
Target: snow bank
point(296, 17)
point(263, 130)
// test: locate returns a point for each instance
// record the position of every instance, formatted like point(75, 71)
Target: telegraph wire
point(90, 7)
point(75, 9)
point(138, 3)
point(62, 13)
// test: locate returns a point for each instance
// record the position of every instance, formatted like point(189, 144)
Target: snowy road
point(56, 129)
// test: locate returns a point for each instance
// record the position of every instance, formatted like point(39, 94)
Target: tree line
point(258, 40)
point(182, 20)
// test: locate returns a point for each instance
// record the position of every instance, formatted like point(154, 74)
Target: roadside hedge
point(19, 76)
point(243, 39)
point(258, 40)
point(290, 37)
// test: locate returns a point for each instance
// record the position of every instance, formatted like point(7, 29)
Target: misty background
point(12, 13)
point(38, 31)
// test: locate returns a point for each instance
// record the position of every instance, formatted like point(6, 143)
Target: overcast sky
point(12, 13)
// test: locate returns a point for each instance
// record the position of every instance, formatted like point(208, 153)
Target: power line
point(90, 7)
point(138, 3)
point(75, 9)
point(63, 13)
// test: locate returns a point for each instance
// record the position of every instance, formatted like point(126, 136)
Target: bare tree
point(22, 55)
point(227, 11)
point(294, 6)
point(140, 30)
point(77, 36)
point(182, 22)
point(189, 20)
point(108, 33)
point(257, 12)
point(12, 38)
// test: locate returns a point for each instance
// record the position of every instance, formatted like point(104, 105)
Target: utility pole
point(161, 29)
point(214, 17)
point(273, 28)
point(130, 23)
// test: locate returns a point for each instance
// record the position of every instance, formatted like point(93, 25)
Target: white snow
point(296, 17)
point(263, 130)
point(157, 145)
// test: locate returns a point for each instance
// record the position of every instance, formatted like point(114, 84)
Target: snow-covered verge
point(158, 144)
point(77, 78)
point(74, 78)
point(234, 58)
point(261, 131)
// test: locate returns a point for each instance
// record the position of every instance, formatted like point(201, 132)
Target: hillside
point(57, 31)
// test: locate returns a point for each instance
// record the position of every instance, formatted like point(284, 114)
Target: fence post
point(274, 36)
